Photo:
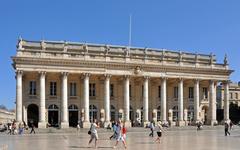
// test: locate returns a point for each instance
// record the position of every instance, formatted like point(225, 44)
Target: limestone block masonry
point(63, 84)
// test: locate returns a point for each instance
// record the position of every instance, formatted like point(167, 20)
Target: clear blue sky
point(195, 26)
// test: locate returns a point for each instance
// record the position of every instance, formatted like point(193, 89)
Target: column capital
point(64, 73)
point(126, 76)
point(107, 76)
point(19, 72)
point(164, 78)
point(226, 81)
point(146, 77)
point(86, 74)
point(42, 73)
point(180, 79)
point(196, 80)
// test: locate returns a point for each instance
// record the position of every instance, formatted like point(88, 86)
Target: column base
point(146, 123)
point(42, 125)
point(128, 124)
point(181, 123)
point(106, 124)
point(86, 124)
point(213, 122)
point(64, 125)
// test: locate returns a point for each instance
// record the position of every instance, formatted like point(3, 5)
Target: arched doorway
point(159, 113)
point(73, 115)
point(205, 112)
point(131, 115)
point(113, 113)
point(53, 115)
point(190, 113)
point(175, 113)
point(92, 112)
point(32, 115)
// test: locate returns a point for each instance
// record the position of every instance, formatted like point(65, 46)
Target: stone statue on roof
point(225, 60)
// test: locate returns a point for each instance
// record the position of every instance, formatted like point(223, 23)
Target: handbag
point(89, 132)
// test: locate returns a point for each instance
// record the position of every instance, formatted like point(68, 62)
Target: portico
point(96, 78)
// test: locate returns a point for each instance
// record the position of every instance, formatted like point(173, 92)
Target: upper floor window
point(112, 90)
point(92, 89)
point(205, 93)
point(159, 91)
point(190, 93)
point(130, 90)
point(231, 95)
point(53, 88)
point(236, 95)
point(175, 92)
point(142, 90)
point(32, 88)
point(73, 89)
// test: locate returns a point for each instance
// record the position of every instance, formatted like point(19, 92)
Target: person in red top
point(124, 131)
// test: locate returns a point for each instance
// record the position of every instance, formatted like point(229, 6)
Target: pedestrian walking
point(114, 131)
point(93, 133)
point(119, 136)
point(226, 128)
point(159, 130)
point(32, 129)
point(124, 132)
point(152, 129)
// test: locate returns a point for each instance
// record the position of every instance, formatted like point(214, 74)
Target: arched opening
point(159, 113)
point(175, 113)
point(131, 115)
point(93, 112)
point(113, 113)
point(53, 115)
point(73, 115)
point(190, 113)
point(32, 115)
point(205, 112)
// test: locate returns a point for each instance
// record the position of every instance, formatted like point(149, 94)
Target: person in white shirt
point(94, 134)
point(159, 129)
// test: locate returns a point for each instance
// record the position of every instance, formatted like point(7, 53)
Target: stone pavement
point(137, 138)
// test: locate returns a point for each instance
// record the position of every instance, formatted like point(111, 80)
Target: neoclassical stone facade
point(64, 83)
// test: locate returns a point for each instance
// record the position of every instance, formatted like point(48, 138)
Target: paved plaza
point(173, 139)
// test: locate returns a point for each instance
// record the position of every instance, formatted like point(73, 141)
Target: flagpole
point(130, 31)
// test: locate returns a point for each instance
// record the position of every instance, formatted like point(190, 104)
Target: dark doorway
point(32, 115)
point(234, 113)
point(73, 115)
point(53, 115)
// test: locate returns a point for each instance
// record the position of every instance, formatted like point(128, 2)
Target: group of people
point(119, 134)
point(19, 128)
point(158, 128)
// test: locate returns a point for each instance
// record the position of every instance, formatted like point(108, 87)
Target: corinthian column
point(196, 100)
point(19, 96)
point(64, 102)
point(86, 123)
point(145, 101)
point(226, 101)
point(126, 101)
point(180, 103)
point(163, 100)
point(107, 100)
point(212, 103)
point(42, 122)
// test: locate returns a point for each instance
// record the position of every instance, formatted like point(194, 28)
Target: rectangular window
point(32, 88)
point(205, 93)
point(159, 92)
point(130, 90)
point(111, 90)
point(176, 92)
point(92, 89)
point(53, 88)
point(236, 95)
point(190, 93)
point(73, 89)
point(231, 95)
point(142, 90)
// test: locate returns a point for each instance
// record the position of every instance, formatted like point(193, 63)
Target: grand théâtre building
point(65, 83)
